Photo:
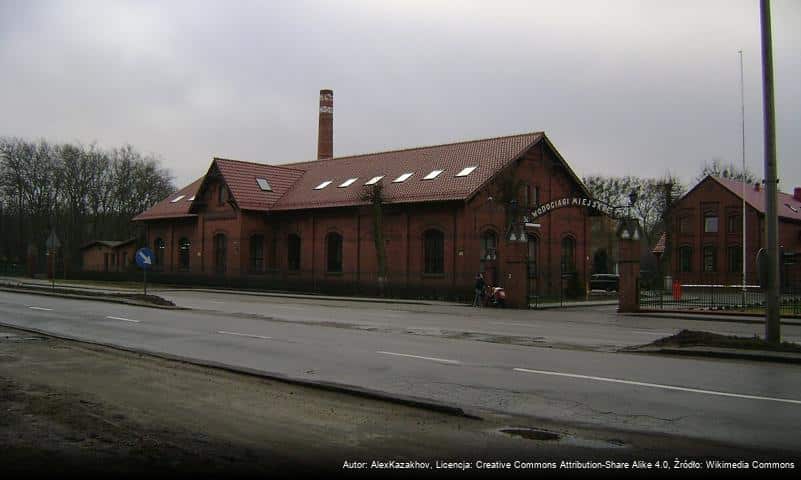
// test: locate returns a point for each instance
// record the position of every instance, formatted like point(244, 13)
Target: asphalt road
point(369, 346)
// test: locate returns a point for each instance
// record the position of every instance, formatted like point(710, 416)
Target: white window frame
point(178, 198)
point(466, 171)
point(324, 184)
point(403, 177)
point(433, 174)
point(265, 187)
point(347, 183)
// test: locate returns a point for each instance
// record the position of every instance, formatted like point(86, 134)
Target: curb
point(320, 385)
point(759, 357)
point(299, 296)
point(90, 297)
point(710, 318)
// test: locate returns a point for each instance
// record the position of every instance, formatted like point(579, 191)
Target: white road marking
point(656, 385)
point(243, 335)
point(123, 319)
point(440, 360)
point(41, 308)
point(517, 324)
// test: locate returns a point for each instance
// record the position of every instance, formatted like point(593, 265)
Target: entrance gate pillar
point(629, 266)
point(515, 275)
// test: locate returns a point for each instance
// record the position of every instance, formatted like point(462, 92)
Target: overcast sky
point(620, 87)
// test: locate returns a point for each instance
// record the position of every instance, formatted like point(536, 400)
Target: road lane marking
point(243, 335)
point(123, 319)
point(440, 360)
point(656, 385)
point(41, 308)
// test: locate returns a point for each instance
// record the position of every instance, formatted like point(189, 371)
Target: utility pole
point(742, 118)
point(772, 324)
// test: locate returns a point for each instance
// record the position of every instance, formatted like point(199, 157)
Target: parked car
point(608, 282)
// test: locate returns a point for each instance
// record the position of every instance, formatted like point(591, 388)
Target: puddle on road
point(539, 434)
point(532, 433)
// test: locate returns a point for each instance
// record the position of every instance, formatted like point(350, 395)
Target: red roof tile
point(489, 155)
point(241, 180)
point(788, 207)
point(169, 209)
point(293, 184)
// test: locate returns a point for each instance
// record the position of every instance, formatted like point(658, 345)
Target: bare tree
point(374, 195)
point(83, 192)
point(718, 169)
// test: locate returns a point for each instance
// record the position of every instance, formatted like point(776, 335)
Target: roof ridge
point(420, 147)
point(279, 165)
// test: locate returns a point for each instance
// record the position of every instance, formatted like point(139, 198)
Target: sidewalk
point(711, 317)
point(716, 352)
point(80, 287)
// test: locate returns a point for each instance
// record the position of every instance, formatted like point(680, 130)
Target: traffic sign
point(145, 258)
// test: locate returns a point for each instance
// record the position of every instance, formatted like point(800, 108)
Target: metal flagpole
point(742, 115)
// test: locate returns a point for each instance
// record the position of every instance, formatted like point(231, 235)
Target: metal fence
point(717, 297)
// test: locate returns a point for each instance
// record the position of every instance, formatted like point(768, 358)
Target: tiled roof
point(489, 155)
point(788, 207)
point(167, 208)
point(241, 180)
point(108, 243)
point(293, 185)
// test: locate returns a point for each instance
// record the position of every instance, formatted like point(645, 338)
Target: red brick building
point(446, 214)
point(706, 237)
point(305, 225)
point(108, 256)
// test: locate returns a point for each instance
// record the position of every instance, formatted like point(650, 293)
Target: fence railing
point(717, 297)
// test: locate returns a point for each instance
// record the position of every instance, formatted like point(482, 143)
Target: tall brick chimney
point(797, 193)
point(325, 131)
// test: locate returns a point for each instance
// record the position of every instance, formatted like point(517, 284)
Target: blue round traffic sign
point(145, 258)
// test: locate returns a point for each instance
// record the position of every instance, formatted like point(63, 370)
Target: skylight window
point(191, 199)
point(177, 199)
point(466, 171)
point(791, 207)
point(264, 185)
point(348, 182)
point(434, 174)
point(323, 185)
point(374, 180)
point(403, 177)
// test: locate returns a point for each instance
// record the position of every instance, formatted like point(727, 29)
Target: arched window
point(257, 253)
point(533, 256)
point(434, 251)
point(568, 254)
point(184, 246)
point(333, 249)
point(158, 251)
point(220, 247)
point(686, 259)
point(710, 264)
point(489, 245)
point(293, 252)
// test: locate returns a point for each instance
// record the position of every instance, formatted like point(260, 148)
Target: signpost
point(53, 244)
point(144, 258)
